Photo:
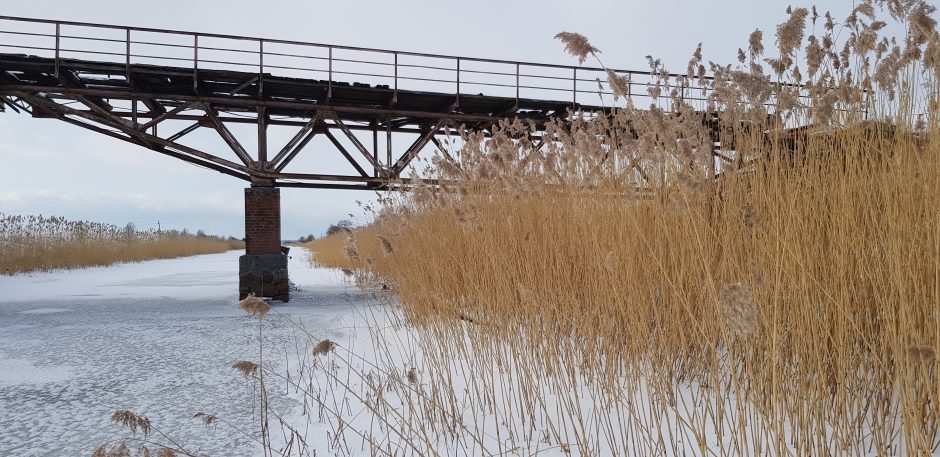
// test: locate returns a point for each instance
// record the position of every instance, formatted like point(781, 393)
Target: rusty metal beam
point(355, 141)
point(6, 102)
point(296, 138)
point(345, 153)
point(413, 150)
point(154, 106)
point(243, 86)
point(192, 155)
point(185, 131)
point(299, 146)
point(161, 150)
point(69, 79)
point(165, 115)
point(101, 111)
point(440, 147)
point(278, 122)
point(331, 177)
point(262, 138)
point(251, 104)
point(228, 137)
point(57, 109)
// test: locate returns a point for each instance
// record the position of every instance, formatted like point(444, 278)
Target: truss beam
point(103, 98)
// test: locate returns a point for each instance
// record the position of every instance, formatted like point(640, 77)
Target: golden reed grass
point(792, 286)
point(36, 243)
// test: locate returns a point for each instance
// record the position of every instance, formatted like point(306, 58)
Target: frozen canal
point(158, 338)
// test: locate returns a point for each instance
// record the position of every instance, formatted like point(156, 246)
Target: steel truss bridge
point(154, 88)
point(128, 82)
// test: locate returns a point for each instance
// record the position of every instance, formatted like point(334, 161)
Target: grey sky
point(52, 168)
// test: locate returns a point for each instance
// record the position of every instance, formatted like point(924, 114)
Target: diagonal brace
point(229, 138)
point(415, 148)
point(345, 153)
point(300, 135)
point(185, 131)
point(59, 109)
point(296, 148)
point(440, 147)
point(355, 141)
point(165, 115)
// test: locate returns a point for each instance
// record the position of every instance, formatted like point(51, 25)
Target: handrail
point(319, 45)
point(207, 51)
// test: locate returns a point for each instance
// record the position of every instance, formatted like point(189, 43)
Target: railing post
point(127, 76)
point(127, 56)
point(329, 87)
point(58, 37)
point(458, 81)
point(195, 61)
point(395, 93)
point(260, 67)
point(574, 90)
point(517, 84)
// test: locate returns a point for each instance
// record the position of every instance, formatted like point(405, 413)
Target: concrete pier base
point(263, 268)
point(265, 275)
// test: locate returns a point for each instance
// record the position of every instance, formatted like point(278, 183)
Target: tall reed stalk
point(780, 297)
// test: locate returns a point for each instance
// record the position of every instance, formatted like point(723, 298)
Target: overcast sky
point(53, 168)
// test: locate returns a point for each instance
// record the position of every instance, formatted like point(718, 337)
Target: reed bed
point(620, 291)
point(38, 243)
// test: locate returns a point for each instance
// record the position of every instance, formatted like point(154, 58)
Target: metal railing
point(332, 64)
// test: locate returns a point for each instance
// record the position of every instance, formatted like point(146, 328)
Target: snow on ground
point(158, 338)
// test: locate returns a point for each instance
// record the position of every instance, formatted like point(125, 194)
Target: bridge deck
point(282, 96)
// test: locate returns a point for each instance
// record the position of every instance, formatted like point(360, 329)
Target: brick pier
point(263, 268)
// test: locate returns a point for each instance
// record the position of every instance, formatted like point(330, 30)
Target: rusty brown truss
point(126, 82)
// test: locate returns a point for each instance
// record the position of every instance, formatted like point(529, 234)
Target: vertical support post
point(517, 84)
point(58, 39)
point(388, 144)
point(195, 62)
point(458, 82)
point(375, 146)
point(263, 269)
point(262, 138)
point(134, 112)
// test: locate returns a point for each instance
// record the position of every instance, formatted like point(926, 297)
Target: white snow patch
point(45, 310)
point(22, 371)
point(204, 276)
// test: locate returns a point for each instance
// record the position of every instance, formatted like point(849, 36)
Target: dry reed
point(254, 306)
point(781, 295)
point(38, 243)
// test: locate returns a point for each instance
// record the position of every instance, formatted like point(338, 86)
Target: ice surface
point(158, 338)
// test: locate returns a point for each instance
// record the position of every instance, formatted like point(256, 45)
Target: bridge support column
point(263, 268)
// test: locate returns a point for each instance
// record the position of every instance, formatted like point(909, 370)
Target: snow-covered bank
point(156, 337)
